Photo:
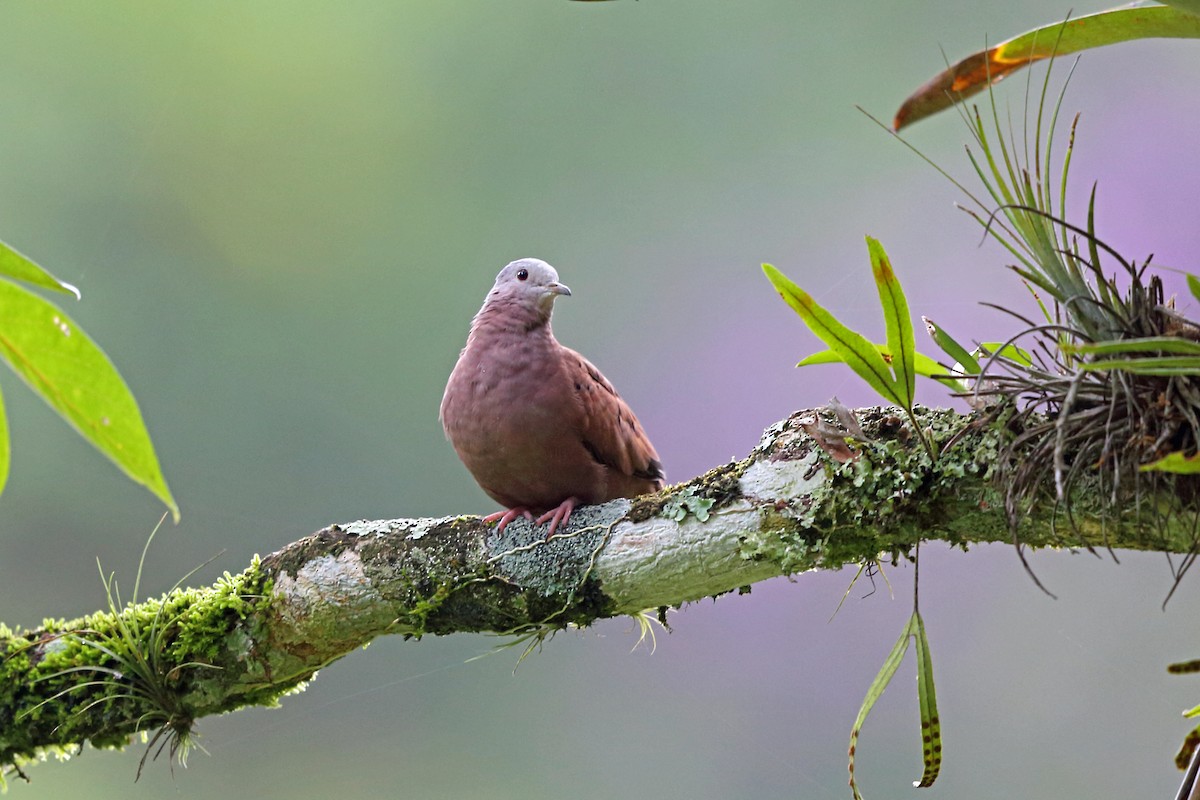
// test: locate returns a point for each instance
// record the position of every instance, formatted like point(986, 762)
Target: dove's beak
point(558, 288)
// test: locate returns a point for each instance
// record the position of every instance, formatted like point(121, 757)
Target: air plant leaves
point(1185, 359)
point(978, 70)
point(73, 375)
point(1146, 365)
point(897, 323)
point(1025, 219)
point(1161, 344)
point(854, 349)
point(927, 699)
point(1194, 285)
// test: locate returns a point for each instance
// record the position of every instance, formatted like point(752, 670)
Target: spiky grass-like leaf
point(135, 666)
point(1112, 382)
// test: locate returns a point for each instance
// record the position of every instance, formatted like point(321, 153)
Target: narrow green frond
point(897, 323)
point(856, 350)
point(874, 692)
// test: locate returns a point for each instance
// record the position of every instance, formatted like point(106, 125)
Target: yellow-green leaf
point(966, 362)
point(1159, 344)
point(15, 265)
point(874, 692)
point(1148, 365)
point(5, 448)
point(897, 323)
point(1175, 462)
point(855, 349)
point(923, 364)
point(1190, 6)
point(74, 376)
point(1010, 351)
point(977, 70)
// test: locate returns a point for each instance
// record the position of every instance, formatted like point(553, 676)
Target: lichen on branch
point(154, 667)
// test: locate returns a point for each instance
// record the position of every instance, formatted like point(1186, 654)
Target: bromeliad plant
point(1105, 386)
point(1113, 385)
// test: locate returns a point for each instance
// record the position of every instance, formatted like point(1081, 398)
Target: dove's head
point(528, 286)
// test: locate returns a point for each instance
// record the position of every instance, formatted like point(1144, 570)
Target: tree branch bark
point(788, 507)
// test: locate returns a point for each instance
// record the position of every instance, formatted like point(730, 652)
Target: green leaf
point(74, 376)
point(897, 322)
point(827, 357)
point(1009, 351)
point(1190, 6)
point(1194, 285)
point(890, 665)
point(1107, 293)
point(1162, 344)
point(1046, 315)
point(931, 729)
point(854, 349)
point(1175, 462)
point(15, 265)
point(976, 71)
point(923, 364)
point(1150, 365)
point(5, 448)
point(966, 362)
point(931, 726)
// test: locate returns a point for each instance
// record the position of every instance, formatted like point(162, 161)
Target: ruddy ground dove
point(539, 428)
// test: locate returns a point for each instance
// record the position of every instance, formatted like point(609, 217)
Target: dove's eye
point(522, 274)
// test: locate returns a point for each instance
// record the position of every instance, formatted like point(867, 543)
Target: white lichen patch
point(412, 528)
point(770, 435)
point(423, 525)
point(326, 579)
point(688, 559)
point(782, 480)
point(362, 527)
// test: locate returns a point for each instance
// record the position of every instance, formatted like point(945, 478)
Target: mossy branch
point(788, 507)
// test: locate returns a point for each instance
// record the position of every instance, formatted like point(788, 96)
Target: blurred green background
point(282, 217)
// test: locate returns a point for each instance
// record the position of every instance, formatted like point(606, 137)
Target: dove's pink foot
point(508, 516)
point(558, 516)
